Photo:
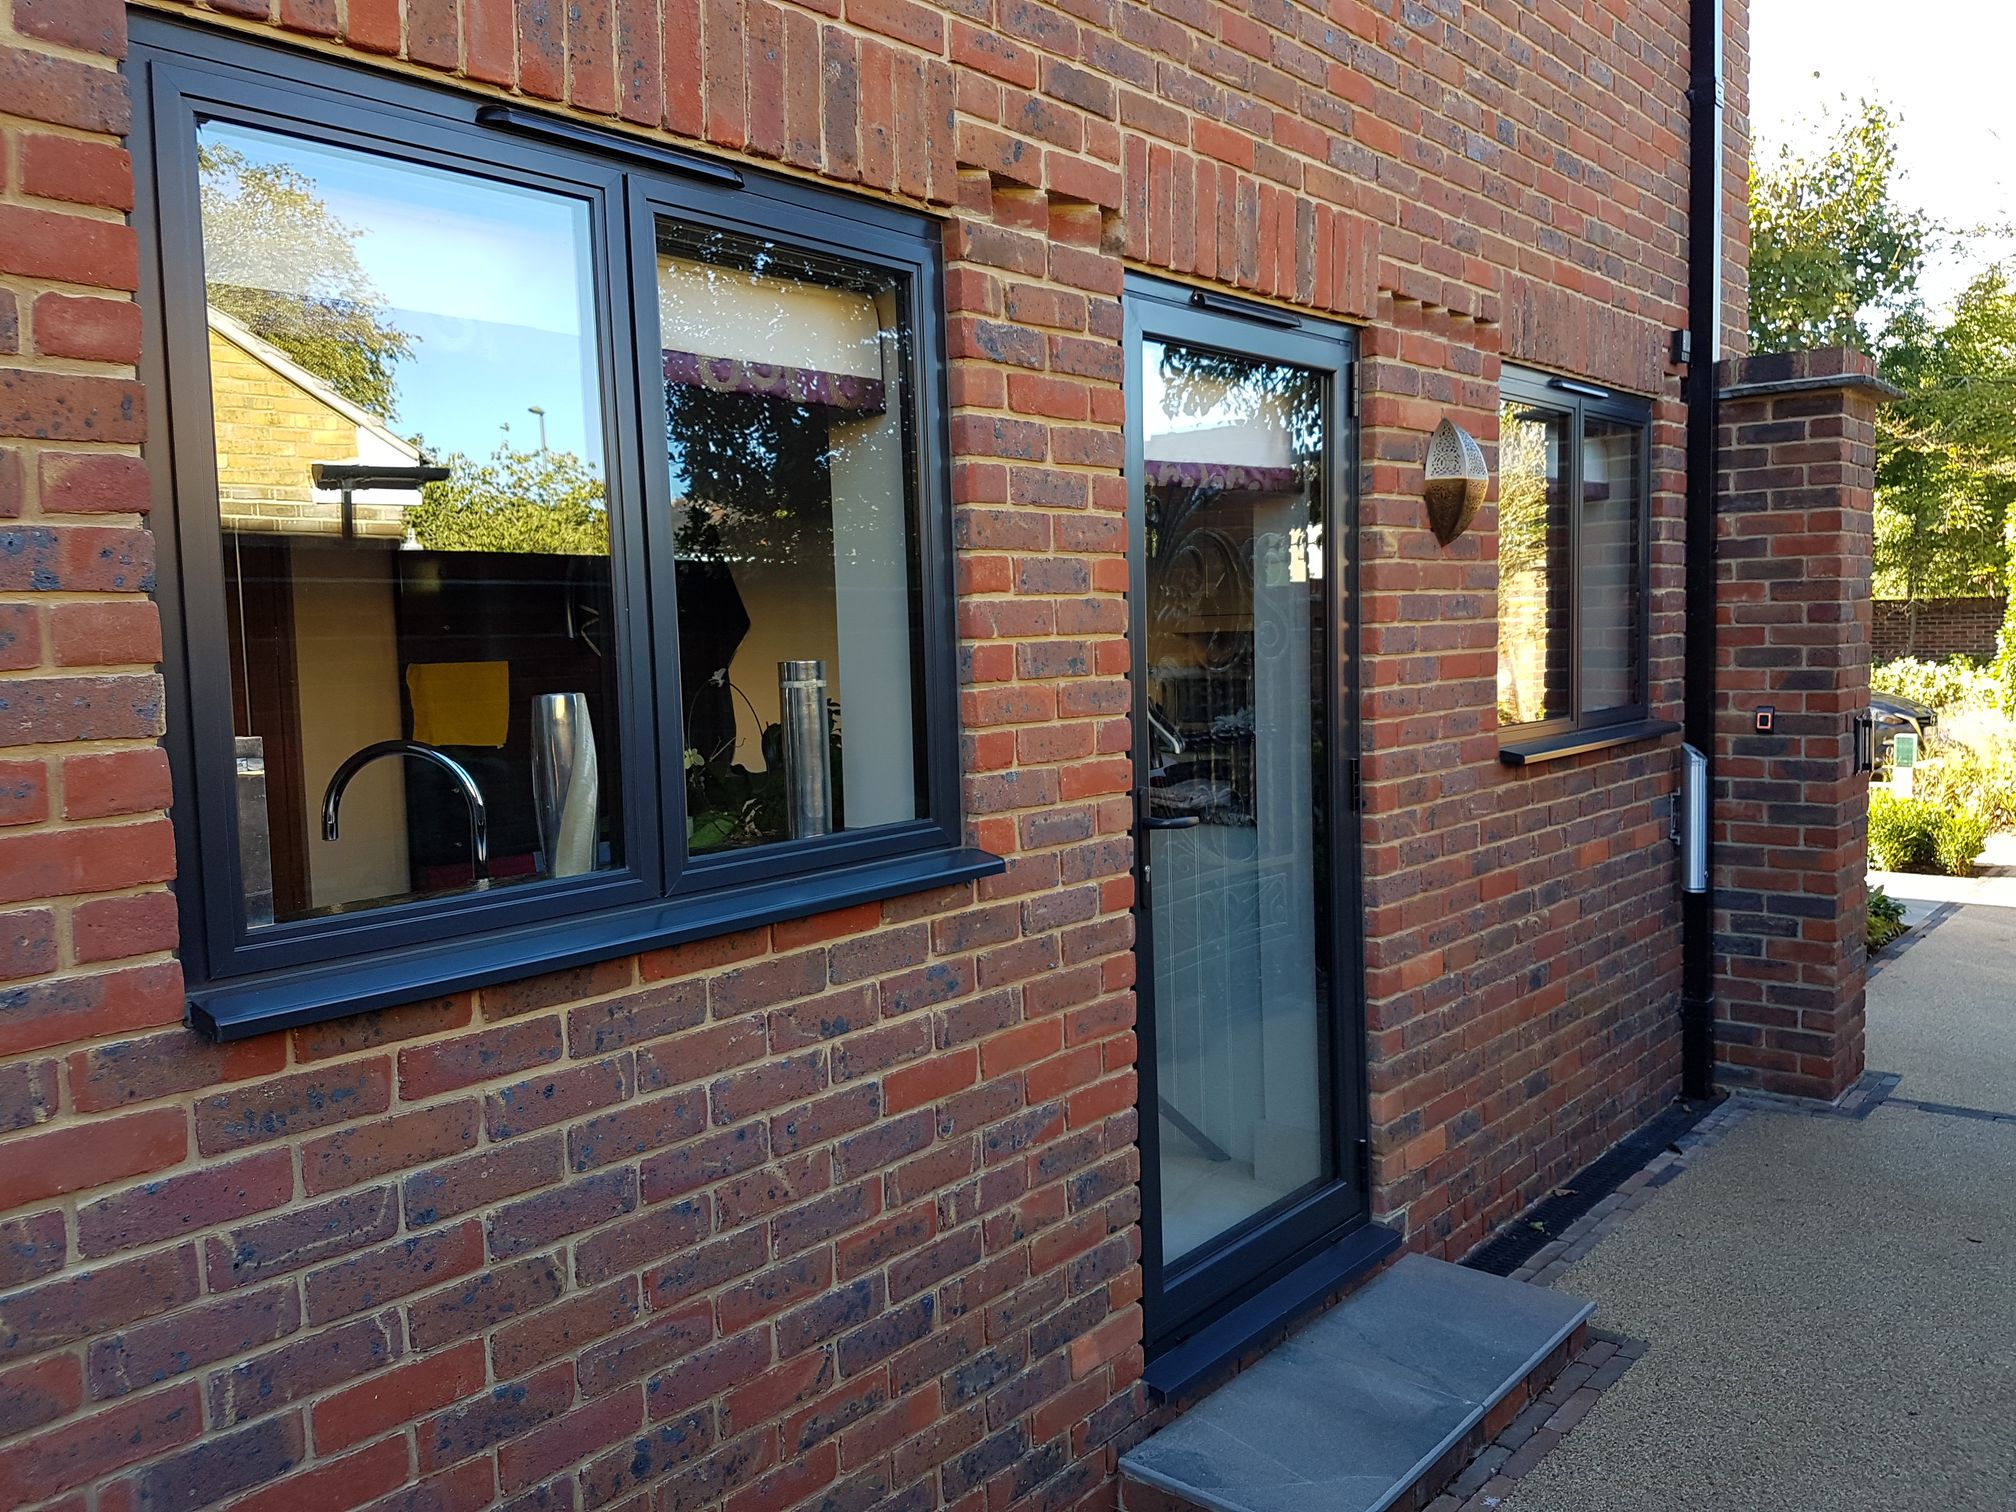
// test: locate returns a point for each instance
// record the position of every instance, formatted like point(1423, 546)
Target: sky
point(489, 279)
point(1944, 68)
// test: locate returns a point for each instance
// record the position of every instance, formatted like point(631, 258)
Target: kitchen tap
point(472, 795)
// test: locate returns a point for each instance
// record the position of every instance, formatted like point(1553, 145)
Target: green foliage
point(1970, 768)
point(2003, 668)
point(1946, 450)
point(538, 501)
point(728, 805)
point(1917, 835)
point(1832, 249)
point(1836, 258)
point(1959, 839)
point(1886, 919)
point(1940, 685)
point(1902, 832)
point(1981, 784)
point(278, 262)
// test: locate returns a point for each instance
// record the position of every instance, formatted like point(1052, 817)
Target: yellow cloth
point(460, 703)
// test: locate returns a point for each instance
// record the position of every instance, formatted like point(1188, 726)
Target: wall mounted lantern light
point(1455, 481)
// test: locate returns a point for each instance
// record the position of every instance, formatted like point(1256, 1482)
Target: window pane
point(1612, 618)
point(413, 499)
point(1533, 636)
point(785, 390)
point(1236, 674)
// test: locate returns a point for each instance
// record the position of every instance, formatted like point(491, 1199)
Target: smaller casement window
point(557, 538)
point(1574, 527)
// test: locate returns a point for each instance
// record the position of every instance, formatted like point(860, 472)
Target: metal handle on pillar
point(808, 756)
point(1692, 820)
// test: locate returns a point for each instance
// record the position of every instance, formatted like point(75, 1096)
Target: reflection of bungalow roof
point(271, 356)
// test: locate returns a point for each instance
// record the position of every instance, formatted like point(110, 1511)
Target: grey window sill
point(238, 1008)
point(1519, 753)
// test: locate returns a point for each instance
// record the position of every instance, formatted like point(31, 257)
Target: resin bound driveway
point(1829, 1302)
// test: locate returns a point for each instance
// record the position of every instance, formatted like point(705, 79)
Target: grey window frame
point(1582, 728)
point(312, 970)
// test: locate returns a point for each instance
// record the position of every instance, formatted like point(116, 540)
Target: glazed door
point(1245, 844)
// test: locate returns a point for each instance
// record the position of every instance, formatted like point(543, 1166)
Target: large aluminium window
point(557, 539)
point(1573, 558)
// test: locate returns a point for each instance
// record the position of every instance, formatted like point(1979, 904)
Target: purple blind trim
point(1226, 476)
point(731, 375)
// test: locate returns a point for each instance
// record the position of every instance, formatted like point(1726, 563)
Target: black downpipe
point(1704, 320)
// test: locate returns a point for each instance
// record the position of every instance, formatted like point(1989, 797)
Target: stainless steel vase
point(566, 784)
point(808, 757)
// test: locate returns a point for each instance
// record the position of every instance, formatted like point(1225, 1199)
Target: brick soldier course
point(840, 1211)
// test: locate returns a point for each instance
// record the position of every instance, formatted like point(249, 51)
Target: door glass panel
point(1235, 839)
point(413, 499)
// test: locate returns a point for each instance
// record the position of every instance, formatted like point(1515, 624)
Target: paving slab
point(1349, 1412)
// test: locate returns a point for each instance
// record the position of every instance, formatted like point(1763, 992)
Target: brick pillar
point(1795, 491)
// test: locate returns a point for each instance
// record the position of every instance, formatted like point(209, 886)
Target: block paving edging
point(1541, 1424)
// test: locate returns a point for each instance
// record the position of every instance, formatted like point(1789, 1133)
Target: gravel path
point(1830, 1304)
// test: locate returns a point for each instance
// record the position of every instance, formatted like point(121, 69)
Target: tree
point(1834, 253)
point(1946, 460)
point(1836, 256)
point(538, 501)
point(281, 264)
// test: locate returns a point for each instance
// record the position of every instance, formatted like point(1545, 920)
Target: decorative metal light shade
point(1456, 481)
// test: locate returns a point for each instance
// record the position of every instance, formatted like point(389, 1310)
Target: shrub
point(1903, 832)
point(1940, 684)
point(1959, 840)
point(1981, 780)
point(1886, 920)
point(1917, 835)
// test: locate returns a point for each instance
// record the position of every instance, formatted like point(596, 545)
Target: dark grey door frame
point(1180, 1300)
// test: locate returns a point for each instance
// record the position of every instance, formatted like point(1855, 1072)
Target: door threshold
point(1278, 1306)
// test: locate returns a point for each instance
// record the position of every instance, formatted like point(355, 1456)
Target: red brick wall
point(839, 1213)
point(1946, 628)
point(1523, 924)
point(1791, 813)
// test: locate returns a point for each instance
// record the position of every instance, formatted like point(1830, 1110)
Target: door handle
point(1182, 821)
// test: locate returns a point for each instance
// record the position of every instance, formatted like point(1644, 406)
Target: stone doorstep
point(1378, 1404)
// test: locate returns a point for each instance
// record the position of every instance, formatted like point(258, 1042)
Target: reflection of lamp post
point(349, 477)
point(534, 409)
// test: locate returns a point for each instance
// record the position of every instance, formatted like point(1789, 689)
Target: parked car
point(1897, 715)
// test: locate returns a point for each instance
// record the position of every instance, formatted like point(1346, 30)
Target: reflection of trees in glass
point(754, 475)
point(536, 501)
point(1243, 391)
point(752, 479)
point(1523, 596)
point(1522, 497)
point(277, 261)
